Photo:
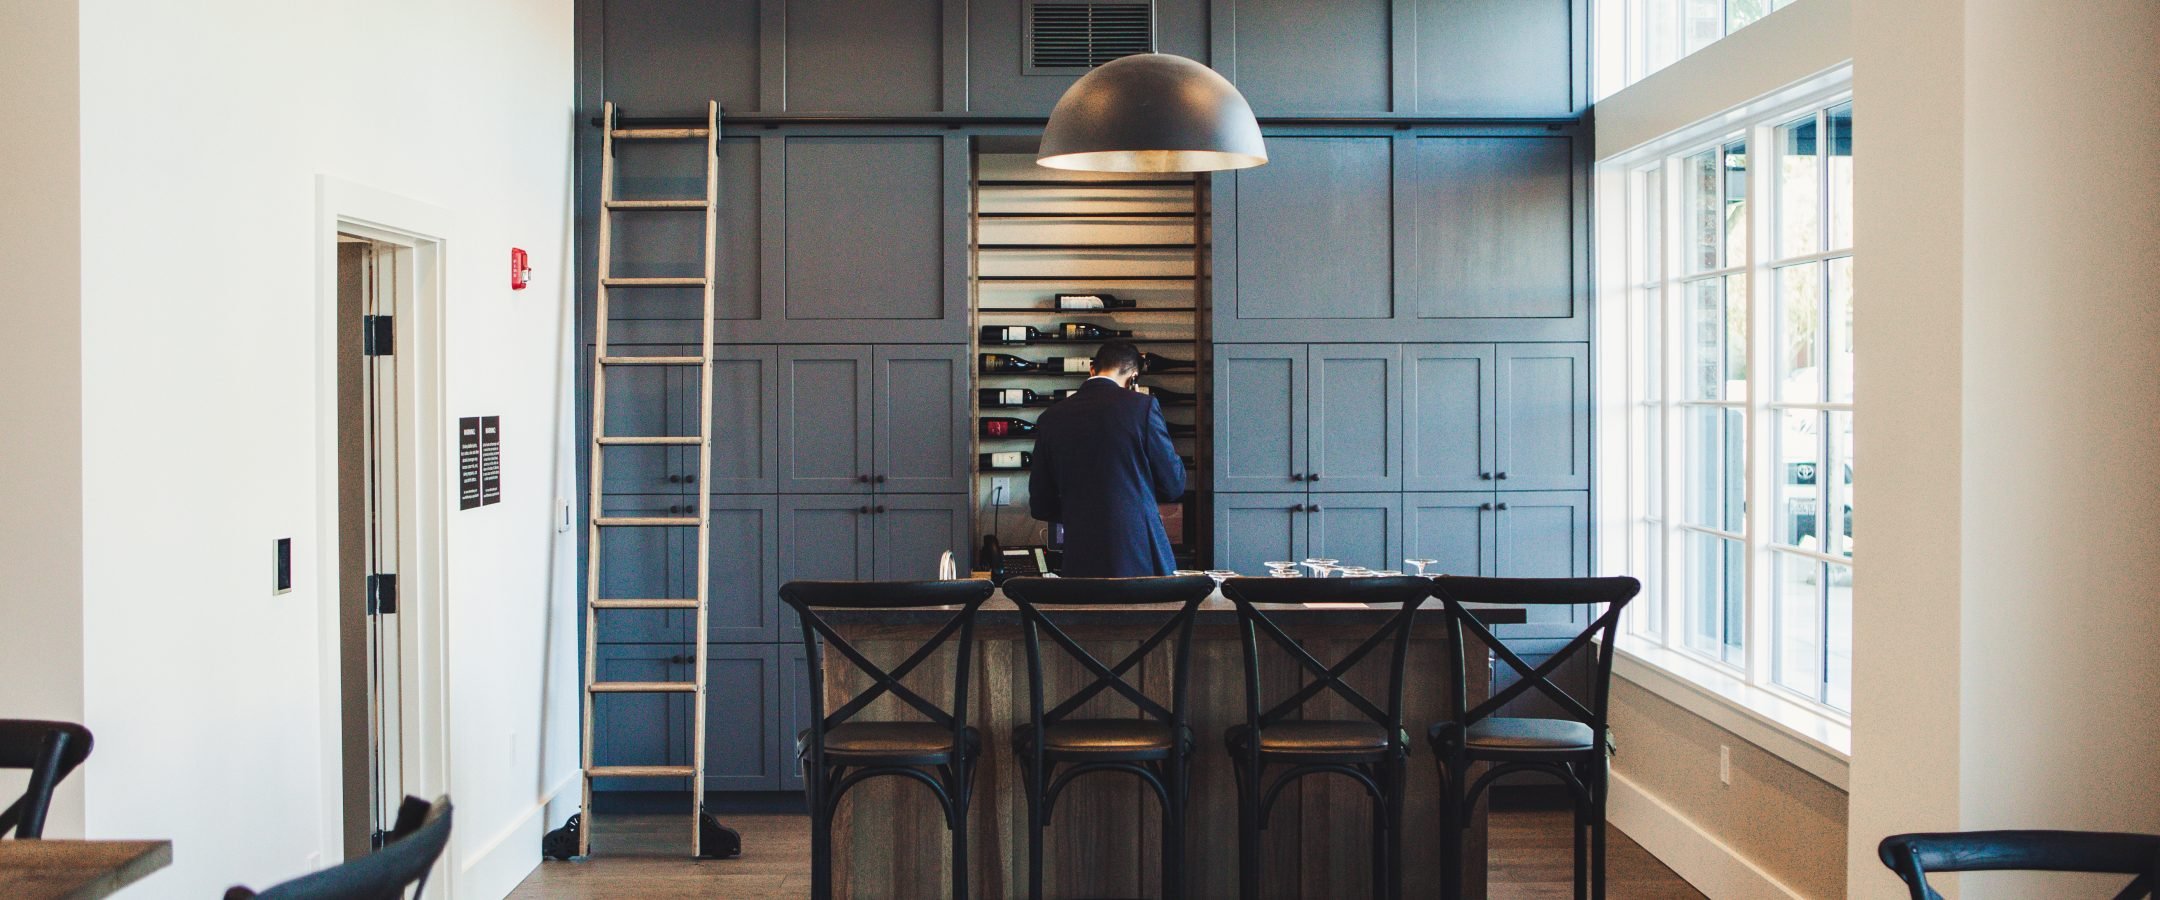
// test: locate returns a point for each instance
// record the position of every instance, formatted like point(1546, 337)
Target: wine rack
point(1040, 232)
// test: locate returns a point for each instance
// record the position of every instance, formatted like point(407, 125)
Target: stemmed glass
point(1320, 567)
point(1282, 569)
point(1356, 572)
point(1421, 563)
point(1220, 575)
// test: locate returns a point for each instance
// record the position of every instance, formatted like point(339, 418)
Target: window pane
point(1839, 486)
point(1716, 335)
point(1646, 616)
point(1837, 664)
point(1705, 23)
point(1799, 194)
point(1839, 143)
point(1716, 573)
point(1799, 624)
point(1738, 13)
point(1734, 160)
point(1712, 467)
point(1705, 212)
point(1840, 327)
point(1799, 478)
point(1799, 323)
point(1646, 264)
point(1661, 27)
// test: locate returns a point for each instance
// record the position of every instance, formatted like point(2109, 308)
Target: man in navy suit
point(1103, 460)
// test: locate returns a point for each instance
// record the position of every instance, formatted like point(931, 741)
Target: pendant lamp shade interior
point(1152, 112)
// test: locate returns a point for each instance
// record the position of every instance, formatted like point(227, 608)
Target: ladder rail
point(599, 427)
point(702, 485)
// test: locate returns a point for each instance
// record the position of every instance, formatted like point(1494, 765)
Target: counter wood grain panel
point(890, 840)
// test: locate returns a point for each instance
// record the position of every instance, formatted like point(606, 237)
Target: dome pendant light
point(1152, 112)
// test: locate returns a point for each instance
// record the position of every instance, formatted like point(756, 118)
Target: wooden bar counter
point(890, 841)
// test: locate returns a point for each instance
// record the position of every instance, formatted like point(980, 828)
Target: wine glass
point(1181, 573)
point(1319, 566)
point(1388, 573)
point(1220, 575)
point(1282, 570)
point(1421, 562)
point(1355, 572)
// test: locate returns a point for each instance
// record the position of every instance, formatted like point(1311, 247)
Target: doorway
point(374, 666)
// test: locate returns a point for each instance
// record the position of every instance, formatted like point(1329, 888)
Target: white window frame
point(1743, 697)
point(1621, 42)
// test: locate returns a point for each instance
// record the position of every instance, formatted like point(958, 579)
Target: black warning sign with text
point(468, 457)
point(490, 460)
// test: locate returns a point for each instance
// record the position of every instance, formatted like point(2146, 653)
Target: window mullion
point(1671, 221)
point(1759, 655)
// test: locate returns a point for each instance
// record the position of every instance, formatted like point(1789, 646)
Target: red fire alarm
point(520, 270)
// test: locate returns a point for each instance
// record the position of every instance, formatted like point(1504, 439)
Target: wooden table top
point(1000, 612)
point(76, 870)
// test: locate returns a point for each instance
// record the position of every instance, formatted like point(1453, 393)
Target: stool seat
point(1134, 739)
point(1332, 739)
point(1516, 735)
point(889, 743)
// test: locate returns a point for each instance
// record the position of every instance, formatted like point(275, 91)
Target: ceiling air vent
point(1076, 36)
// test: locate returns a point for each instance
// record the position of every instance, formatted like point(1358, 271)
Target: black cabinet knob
point(1298, 508)
point(1484, 506)
point(674, 479)
point(865, 479)
point(862, 510)
point(880, 479)
point(1500, 506)
point(1500, 475)
point(1313, 477)
point(690, 478)
point(1484, 476)
point(1297, 476)
point(680, 659)
point(879, 509)
point(1313, 508)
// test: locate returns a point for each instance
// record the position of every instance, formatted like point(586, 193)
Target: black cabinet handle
point(1297, 476)
point(862, 510)
point(865, 479)
point(1484, 506)
point(1484, 476)
point(1298, 508)
point(1313, 508)
point(1313, 477)
point(1500, 475)
point(880, 479)
point(1500, 506)
point(674, 479)
point(680, 659)
point(690, 478)
point(879, 509)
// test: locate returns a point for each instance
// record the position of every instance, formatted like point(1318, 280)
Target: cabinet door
point(1454, 529)
point(1313, 232)
point(874, 238)
point(1448, 417)
point(1254, 529)
point(1357, 529)
point(1543, 534)
point(1286, 66)
point(822, 538)
point(1542, 417)
point(745, 420)
point(920, 407)
point(825, 440)
point(1496, 58)
point(1260, 417)
point(743, 592)
point(642, 729)
point(646, 564)
point(912, 530)
point(742, 700)
point(1355, 417)
point(794, 711)
point(1492, 227)
point(647, 401)
point(849, 56)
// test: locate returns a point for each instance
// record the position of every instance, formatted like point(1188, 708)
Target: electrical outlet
point(1724, 765)
point(281, 566)
point(1000, 491)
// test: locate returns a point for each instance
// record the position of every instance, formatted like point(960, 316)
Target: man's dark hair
point(1116, 356)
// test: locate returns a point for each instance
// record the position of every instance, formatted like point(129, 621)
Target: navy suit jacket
point(1103, 459)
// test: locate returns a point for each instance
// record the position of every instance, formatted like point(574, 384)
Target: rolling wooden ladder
point(707, 837)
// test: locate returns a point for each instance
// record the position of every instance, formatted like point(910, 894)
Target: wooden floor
point(1530, 850)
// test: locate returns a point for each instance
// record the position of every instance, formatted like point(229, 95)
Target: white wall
point(2018, 191)
point(41, 404)
point(205, 125)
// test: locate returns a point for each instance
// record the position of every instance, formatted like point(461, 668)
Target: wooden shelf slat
point(668, 603)
point(644, 687)
point(639, 771)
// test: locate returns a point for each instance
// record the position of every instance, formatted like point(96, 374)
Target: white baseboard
point(496, 867)
point(1696, 855)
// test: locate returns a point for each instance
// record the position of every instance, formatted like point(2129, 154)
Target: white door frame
point(420, 235)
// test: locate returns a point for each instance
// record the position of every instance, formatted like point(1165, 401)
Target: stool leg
point(1173, 829)
point(1380, 841)
point(1452, 775)
point(820, 836)
point(1397, 786)
point(1035, 831)
point(1582, 855)
point(1248, 834)
point(1598, 785)
point(959, 847)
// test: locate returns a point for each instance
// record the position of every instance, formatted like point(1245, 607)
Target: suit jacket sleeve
point(1044, 502)
point(1164, 467)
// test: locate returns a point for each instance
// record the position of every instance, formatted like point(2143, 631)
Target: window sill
point(1815, 742)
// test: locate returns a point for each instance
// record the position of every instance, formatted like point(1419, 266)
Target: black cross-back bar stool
point(1371, 750)
point(409, 851)
point(837, 754)
point(1571, 749)
point(50, 750)
point(1912, 856)
point(1156, 746)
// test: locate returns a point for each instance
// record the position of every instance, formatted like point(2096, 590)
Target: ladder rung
point(652, 282)
point(640, 771)
point(658, 134)
point(635, 521)
point(660, 204)
point(645, 604)
point(686, 440)
point(644, 687)
point(651, 360)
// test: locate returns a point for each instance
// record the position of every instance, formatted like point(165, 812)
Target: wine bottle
point(1012, 334)
point(1093, 301)
point(1007, 460)
point(1010, 397)
point(1008, 364)
point(1166, 396)
point(1004, 427)
point(1082, 331)
point(1150, 363)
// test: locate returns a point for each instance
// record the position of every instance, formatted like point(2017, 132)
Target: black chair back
point(807, 597)
point(410, 850)
point(1596, 639)
point(1913, 856)
point(50, 750)
point(1403, 593)
point(1185, 593)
